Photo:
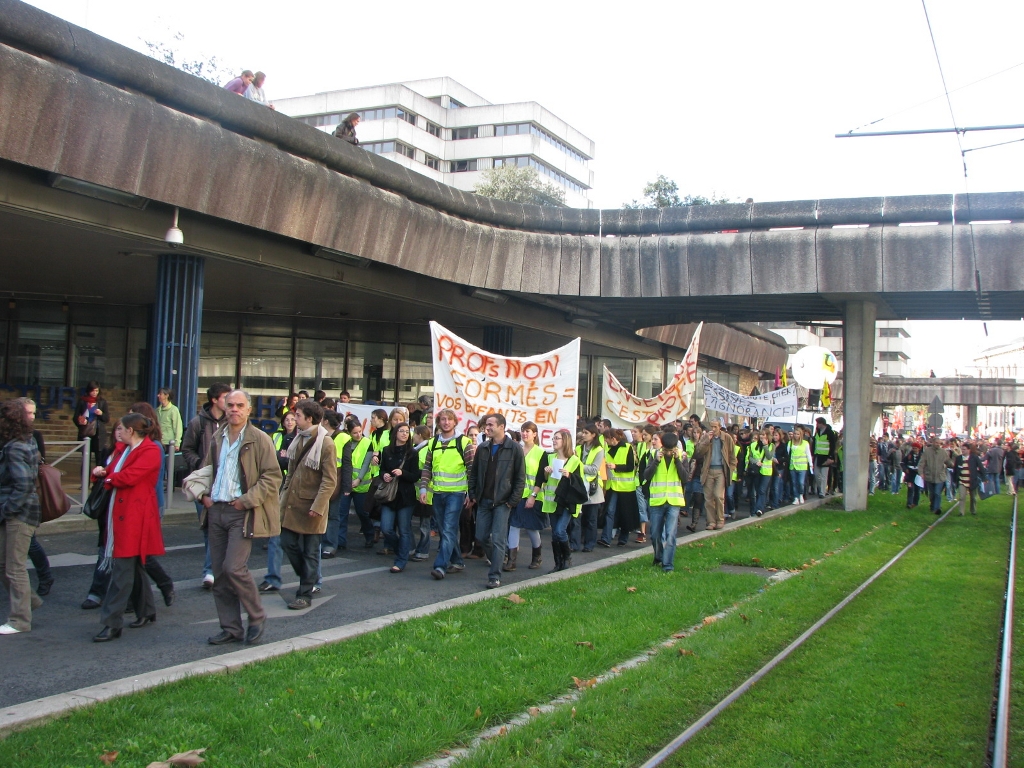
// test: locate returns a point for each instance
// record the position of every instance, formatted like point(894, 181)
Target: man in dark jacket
point(496, 484)
point(195, 445)
point(994, 464)
point(823, 447)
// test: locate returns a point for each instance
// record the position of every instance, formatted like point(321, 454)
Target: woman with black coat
point(399, 464)
point(91, 416)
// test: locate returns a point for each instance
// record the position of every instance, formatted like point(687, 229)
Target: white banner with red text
point(625, 409)
point(473, 382)
point(779, 404)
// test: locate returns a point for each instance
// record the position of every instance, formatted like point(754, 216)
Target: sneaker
point(456, 568)
point(493, 584)
point(327, 554)
point(603, 543)
point(420, 558)
point(300, 603)
point(208, 581)
point(316, 590)
point(7, 629)
point(437, 573)
point(266, 586)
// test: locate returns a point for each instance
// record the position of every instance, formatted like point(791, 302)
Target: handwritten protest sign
point(625, 409)
point(360, 412)
point(474, 382)
point(779, 404)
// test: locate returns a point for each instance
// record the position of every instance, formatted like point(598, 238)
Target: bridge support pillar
point(970, 418)
point(858, 370)
point(174, 330)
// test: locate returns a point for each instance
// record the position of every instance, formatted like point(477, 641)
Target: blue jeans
point(447, 510)
point(423, 545)
point(641, 503)
point(776, 499)
point(798, 478)
point(586, 525)
point(664, 520)
point(492, 523)
point(560, 524)
point(763, 481)
point(609, 518)
point(274, 556)
point(730, 497)
point(335, 524)
point(401, 542)
point(894, 480)
point(207, 564)
point(994, 478)
point(935, 492)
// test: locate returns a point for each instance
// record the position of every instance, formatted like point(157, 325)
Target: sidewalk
point(180, 511)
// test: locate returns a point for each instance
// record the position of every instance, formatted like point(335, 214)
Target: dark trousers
point(585, 527)
point(303, 551)
point(156, 572)
point(233, 585)
point(37, 555)
point(128, 583)
point(492, 523)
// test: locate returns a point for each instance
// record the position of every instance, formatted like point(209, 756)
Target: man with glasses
point(242, 504)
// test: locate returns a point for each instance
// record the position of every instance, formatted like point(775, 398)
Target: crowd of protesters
point(414, 477)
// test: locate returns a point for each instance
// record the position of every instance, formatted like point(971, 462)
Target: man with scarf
point(242, 503)
point(306, 497)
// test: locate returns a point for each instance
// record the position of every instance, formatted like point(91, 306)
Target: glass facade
point(218, 360)
point(41, 354)
point(371, 372)
point(320, 364)
point(137, 359)
point(622, 367)
point(649, 378)
point(97, 354)
point(416, 369)
point(266, 365)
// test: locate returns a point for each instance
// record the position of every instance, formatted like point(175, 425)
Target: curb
point(76, 522)
point(35, 712)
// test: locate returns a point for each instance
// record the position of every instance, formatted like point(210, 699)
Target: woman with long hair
point(591, 453)
point(133, 525)
point(153, 567)
point(91, 416)
point(19, 512)
point(399, 464)
point(283, 438)
point(527, 516)
point(559, 463)
point(620, 496)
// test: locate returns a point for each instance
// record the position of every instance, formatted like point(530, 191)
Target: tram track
point(999, 735)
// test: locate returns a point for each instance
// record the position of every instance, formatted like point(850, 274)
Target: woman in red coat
point(133, 524)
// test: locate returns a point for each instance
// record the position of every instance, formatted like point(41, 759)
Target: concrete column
point(971, 418)
point(175, 329)
point(858, 367)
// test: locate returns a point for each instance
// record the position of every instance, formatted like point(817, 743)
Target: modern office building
point(445, 131)
point(892, 343)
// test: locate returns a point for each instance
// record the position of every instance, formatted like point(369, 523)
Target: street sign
point(936, 408)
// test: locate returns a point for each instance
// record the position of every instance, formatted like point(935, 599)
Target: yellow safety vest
point(423, 462)
point(358, 455)
point(642, 449)
point(448, 467)
point(532, 458)
point(340, 441)
point(821, 444)
point(767, 468)
point(377, 445)
point(620, 479)
point(798, 456)
point(573, 464)
point(735, 467)
point(755, 455)
point(666, 487)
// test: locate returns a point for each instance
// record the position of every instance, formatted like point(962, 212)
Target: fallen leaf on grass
point(744, 617)
point(631, 589)
point(712, 543)
point(773, 570)
point(616, 670)
point(514, 598)
point(586, 643)
point(534, 711)
point(181, 760)
point(573, 715)
point(755, 559)
point(895, 524)
point(503, 731)
point(108, 757)
point(837, 530)
point(686, 652)
point(679, 635)
point(805, 566)
point(581, 684)
point(700, 543)
point(710, 620)
point(477, 713)
point(900, 704)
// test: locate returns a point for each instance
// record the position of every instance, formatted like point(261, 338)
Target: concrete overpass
point(74, 106)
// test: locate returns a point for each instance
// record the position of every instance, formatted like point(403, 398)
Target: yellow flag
point(785, 379)
point(826, 396)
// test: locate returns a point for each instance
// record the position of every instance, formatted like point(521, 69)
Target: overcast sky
point(738, 98)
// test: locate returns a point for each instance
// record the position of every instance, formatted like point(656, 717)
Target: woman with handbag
point(591, 453)
point(527, 516)
point(133, 525)
point(19, 512)
point(399, 467)
point(560, 463)
point(91, 416)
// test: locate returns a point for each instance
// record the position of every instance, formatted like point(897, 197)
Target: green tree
point(664, 193)
point(209, 68)
point(519, 185)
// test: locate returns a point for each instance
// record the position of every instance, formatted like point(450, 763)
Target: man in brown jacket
point(242, 503)
point(306, 497)
point(715, 449)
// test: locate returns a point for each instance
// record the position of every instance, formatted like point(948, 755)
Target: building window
point(465, 133)
point(97, 354)
point(266, 365)
point(320, 364)
point(890, 333)
point(462, 166)
point(622, 367)
point(417, 371)
point(892, 357)
point(319, 121)
point(384, 113)
point(832, 333)
point(520, 129)
point(649, 378)
point(41, 354)
point(434, 129)
point(386, 147)
point(371, 372)
point(432, 162)
point(523, 161)
point(218, 361)
point(453, 104)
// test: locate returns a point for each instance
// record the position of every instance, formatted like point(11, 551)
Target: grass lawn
point(902, 676)
point(413, 689)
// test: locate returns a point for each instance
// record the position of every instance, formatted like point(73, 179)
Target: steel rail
point(674, 745)
point(1001, 737)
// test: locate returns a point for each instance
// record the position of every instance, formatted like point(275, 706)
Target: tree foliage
point(209, 68)
point(519, 185)
point(664, 193)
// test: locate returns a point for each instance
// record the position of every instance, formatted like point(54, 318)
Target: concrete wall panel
point(611, 266)
point(294, 202)
point(569, 271)
point(590, 266)
point(183, 178)
point(854, 210)
point(989, 206)
point(510, 272)
point(706, 218)
point(542, 264)
point(783, 262)
point(999, 249)
point(791, 213)
point(849, 260)
point(449, 248)
point(650, 267)
point(963, 258)
point(675, 277)
point(390, 221)
point(35, 108)
point(476, 254)
point(917, 258)
point(241, 166)
point(719, 264)
point(629, 267)
point(912, 208)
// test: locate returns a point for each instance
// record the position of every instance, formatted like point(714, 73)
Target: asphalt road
point(58, 655)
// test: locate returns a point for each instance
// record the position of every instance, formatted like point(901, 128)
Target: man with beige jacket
point(306, 497)
point(242, 503)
